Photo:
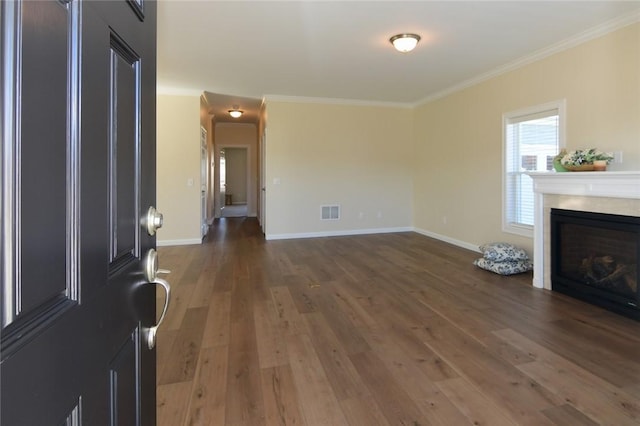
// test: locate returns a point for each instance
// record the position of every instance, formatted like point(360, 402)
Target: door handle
point(151, 272)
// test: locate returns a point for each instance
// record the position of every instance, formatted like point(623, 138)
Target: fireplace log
point(604, 271)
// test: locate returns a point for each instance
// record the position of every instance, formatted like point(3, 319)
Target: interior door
point(78, 156)
point(263, 182)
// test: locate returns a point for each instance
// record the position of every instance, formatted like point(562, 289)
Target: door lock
point(153, 220)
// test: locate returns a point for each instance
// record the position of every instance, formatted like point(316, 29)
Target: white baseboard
point(186, 242)
point(455, 242)
point(459, 243)
point(336, 233)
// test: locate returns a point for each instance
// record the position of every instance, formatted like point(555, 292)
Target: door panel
point(32, 293)
point(123, 375)
point(49, 45)
point(39, 286)
point(124, 147)
point(78, 96)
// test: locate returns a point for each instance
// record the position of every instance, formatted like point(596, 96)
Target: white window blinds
point(532, 140)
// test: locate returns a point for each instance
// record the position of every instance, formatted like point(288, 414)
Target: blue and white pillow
point(503, 252)
point(504, 267)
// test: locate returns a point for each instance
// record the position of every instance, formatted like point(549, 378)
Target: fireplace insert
point(596, 257)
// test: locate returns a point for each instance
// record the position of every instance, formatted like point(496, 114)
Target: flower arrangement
point(581, 157)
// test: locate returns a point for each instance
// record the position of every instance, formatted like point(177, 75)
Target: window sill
point(522, 230)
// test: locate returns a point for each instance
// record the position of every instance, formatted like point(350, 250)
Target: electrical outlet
point(444, 220)
point(361, 215)
point(379, 215)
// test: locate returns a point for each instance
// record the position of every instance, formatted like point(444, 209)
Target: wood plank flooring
point(388, 329)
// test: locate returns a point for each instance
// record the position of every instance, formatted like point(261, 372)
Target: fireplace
point(596, 257)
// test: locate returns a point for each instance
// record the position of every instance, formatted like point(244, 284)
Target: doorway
point(222, 176)
point(236, 179)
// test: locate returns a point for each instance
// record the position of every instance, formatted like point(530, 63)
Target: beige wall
point(437, 167)
point(355, 156)
point(245, 136)
point(178, 164)
point(458, 139)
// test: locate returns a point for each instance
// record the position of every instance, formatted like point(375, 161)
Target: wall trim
point(444, 238)
point(177, 91)
point(336, 101)
point(455, 242)
point(577, 39)
point(185, 242)
point(337, 233)
point(235, 125)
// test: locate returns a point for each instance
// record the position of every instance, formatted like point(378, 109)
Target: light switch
point(617, 157)
point(276, 181)
point(190, 182)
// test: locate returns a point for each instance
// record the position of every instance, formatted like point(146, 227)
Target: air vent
point(330, 212)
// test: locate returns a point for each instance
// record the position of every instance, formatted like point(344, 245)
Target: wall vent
point(330, 212)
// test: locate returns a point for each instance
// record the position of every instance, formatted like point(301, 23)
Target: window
point(532, 138)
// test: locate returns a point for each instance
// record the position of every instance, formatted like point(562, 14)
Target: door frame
point(262, 187)
point(204, 179)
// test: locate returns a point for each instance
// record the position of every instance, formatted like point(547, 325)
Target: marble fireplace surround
point(599, 192)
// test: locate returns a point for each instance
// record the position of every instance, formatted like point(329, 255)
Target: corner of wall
point(178, 167)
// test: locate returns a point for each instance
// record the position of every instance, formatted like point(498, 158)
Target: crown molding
point(335, 101)
point(576, 40)
point(177, 91)
point(235, 125)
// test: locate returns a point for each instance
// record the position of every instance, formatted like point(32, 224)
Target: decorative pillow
point(504, 268)
point(500, 252)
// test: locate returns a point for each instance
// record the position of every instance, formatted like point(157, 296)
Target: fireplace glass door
point(595, 257)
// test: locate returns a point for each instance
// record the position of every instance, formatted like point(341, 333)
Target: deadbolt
point(153, 220)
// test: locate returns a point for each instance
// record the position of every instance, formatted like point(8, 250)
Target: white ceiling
point(220, 104)
point(341, 49)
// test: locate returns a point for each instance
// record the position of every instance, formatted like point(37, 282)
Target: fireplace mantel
point(613, 185)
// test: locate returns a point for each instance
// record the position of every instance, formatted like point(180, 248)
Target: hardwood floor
point(389, 329)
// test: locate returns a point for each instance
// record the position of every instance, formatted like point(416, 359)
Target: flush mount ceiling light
point(405, 42)
point(235, 112)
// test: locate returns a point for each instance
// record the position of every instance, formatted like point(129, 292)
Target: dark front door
point(78, 175)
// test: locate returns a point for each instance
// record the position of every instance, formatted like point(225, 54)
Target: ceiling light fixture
point(405, 42)
point(235, 112)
